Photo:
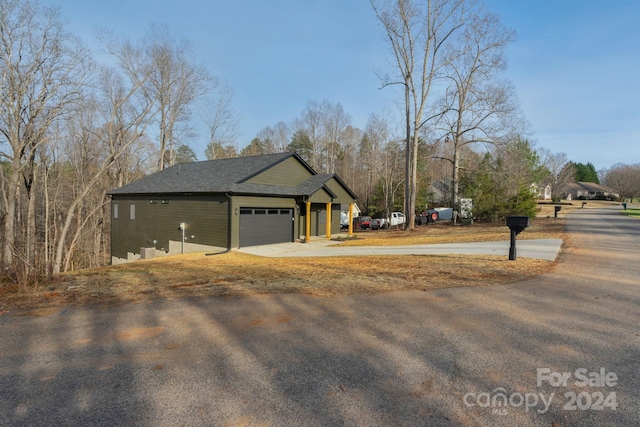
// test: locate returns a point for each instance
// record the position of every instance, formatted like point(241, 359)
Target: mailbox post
point(516, 224)
point(556, 210)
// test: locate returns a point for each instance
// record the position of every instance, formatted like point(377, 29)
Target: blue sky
point(575, 63)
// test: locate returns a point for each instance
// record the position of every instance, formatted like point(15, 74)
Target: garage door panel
point(262, 226)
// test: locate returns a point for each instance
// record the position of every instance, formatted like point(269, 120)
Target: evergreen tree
point(502, 184)
point(185, 154)
point(586, 173)
point(301, 143)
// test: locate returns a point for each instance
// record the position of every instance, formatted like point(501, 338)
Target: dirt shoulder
point(236, 274)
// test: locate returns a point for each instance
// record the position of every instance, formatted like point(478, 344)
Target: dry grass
point(541, 228)
point(237, 274)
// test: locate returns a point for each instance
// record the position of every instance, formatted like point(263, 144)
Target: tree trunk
point(407, 173)
point(13, 192)
point(31, 256)
point(456, 183)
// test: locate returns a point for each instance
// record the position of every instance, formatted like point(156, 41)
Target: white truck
point(396, 219)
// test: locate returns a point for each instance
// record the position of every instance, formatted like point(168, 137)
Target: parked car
point(362, 222)
point(378, 223)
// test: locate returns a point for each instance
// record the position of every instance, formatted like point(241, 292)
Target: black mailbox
point(516, 224)
point(556, 210)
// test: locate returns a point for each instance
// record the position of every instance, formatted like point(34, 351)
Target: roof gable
point(210, 176)
point(289, 172)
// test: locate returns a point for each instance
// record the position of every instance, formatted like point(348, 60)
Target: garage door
point(262, 226)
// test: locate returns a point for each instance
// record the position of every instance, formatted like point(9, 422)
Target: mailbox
point(516, 224)
point(556, 210)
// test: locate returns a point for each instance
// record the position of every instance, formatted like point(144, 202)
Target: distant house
point(440, 192)
point(590, 190)
point(225, 204)
point(542, 191)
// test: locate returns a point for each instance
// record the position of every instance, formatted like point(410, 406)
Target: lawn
point(443, 232)
point(237, 274)
point(632, 212)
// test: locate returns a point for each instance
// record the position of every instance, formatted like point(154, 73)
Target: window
point(115, 211)
point(132, 211)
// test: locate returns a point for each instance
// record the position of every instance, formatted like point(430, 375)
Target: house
point(542, 191)
point(440, 192)
point(224, 204)
point(590, 190)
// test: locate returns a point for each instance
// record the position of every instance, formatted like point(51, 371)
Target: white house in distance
point(541, 190)
point(576, 190)
point(590, 191)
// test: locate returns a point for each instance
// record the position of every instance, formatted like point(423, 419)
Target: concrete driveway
point(547, 249)
point(513, 355)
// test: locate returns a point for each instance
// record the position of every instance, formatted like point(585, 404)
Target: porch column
point(328, 222)
point(350, 219)
point(307, 225)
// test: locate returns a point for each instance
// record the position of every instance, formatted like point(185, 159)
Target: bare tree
point(335, 123)
point(325, 125)
point(379, 154)
point(223, 122)
point(281, 137)
point(476, 103)
point(310, 125)
point(42, 70)
point(561, 171)
point(418, 33)
point(125, 116)
point(349, 165)
point(175, 83)
point(625, 179)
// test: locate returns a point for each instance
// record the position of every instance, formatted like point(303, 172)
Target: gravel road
point(436, 358)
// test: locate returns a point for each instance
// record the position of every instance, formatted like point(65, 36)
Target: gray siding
point(206, 219)
point(289, 172)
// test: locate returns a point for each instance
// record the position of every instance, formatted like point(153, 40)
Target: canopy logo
point(599, 400)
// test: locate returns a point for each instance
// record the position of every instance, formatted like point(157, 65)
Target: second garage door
point(262, 226)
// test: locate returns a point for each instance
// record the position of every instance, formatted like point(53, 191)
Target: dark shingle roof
point(314, 183)
point(225, 176)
